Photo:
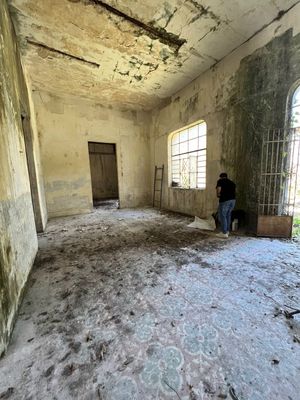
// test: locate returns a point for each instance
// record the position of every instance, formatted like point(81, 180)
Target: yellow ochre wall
point(18, 239)
point(222, 98)
point(65, 126)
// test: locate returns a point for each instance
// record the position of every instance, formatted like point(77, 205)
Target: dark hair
point(223, 175)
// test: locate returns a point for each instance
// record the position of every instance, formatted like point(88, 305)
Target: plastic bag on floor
point(205, 224)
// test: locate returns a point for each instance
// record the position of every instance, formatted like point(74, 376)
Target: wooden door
point(103, 164)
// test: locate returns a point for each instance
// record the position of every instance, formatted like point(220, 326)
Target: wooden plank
point(275, 226)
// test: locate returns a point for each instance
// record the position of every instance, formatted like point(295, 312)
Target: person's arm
point(218, 190)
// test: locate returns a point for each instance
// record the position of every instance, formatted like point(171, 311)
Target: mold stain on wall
point(18, 241)
point(257, 102)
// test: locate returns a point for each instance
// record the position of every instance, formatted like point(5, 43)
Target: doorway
point(104, 174)
point(294, 190)
point(293, 184)
point(279, 197)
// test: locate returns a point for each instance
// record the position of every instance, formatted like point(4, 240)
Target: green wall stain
point(257, 103)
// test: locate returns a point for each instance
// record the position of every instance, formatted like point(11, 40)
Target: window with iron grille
point(188, 157)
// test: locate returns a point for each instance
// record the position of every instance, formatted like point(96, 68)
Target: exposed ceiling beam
point(62, 53)
point(170, 39)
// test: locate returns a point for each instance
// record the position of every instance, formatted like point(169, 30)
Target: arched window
point(295, 109)
point(291, 150)
point(188, 157)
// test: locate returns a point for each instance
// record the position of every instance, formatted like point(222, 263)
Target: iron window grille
point(188, 157)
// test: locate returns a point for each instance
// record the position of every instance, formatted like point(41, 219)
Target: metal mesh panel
point(279, 181)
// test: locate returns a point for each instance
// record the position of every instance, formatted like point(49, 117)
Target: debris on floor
point(154, 311)
point(205, 224)
point(290, 314)
point(233, 394)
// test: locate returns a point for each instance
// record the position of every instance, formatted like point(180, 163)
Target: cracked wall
point(66, 125)
point(18, 241)
point(239, 98)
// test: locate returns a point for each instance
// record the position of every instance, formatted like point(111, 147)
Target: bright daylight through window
point(295, 109)
point(188, 157)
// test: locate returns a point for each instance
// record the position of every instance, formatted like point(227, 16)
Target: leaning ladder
point(158, 185)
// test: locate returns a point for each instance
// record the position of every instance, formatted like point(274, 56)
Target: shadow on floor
point(107, 204)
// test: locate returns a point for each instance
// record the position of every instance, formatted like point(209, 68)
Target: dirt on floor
point(134, 305)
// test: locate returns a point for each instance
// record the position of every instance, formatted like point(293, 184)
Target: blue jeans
point(225, 209)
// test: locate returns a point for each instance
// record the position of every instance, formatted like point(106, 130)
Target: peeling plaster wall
point(18, 240)
point(130, 53)
point(65, 126)
point(258, 102)
point(239, 98)
point(37, 157)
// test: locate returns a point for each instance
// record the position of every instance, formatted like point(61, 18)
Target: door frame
point(117, 165)
point(32, 173)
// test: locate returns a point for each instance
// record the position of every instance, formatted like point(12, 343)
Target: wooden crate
point(275, 226)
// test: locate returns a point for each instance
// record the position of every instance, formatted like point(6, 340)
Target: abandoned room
point(121, 123)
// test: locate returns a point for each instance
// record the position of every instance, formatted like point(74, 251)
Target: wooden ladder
point(158, 184)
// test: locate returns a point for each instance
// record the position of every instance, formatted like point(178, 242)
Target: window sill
point(181, 188)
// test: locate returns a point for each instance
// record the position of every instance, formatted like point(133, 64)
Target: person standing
point(226, 193)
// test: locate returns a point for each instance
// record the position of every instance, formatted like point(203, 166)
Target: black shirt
point(227, 189)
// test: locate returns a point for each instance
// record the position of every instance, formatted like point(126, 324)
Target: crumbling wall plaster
point(130, 53)
point(66, 125)
point(37, 155)
point(258, 103)
point(228, 97)
point(18, 241)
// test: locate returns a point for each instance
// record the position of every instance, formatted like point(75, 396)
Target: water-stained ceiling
point(131, 53)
